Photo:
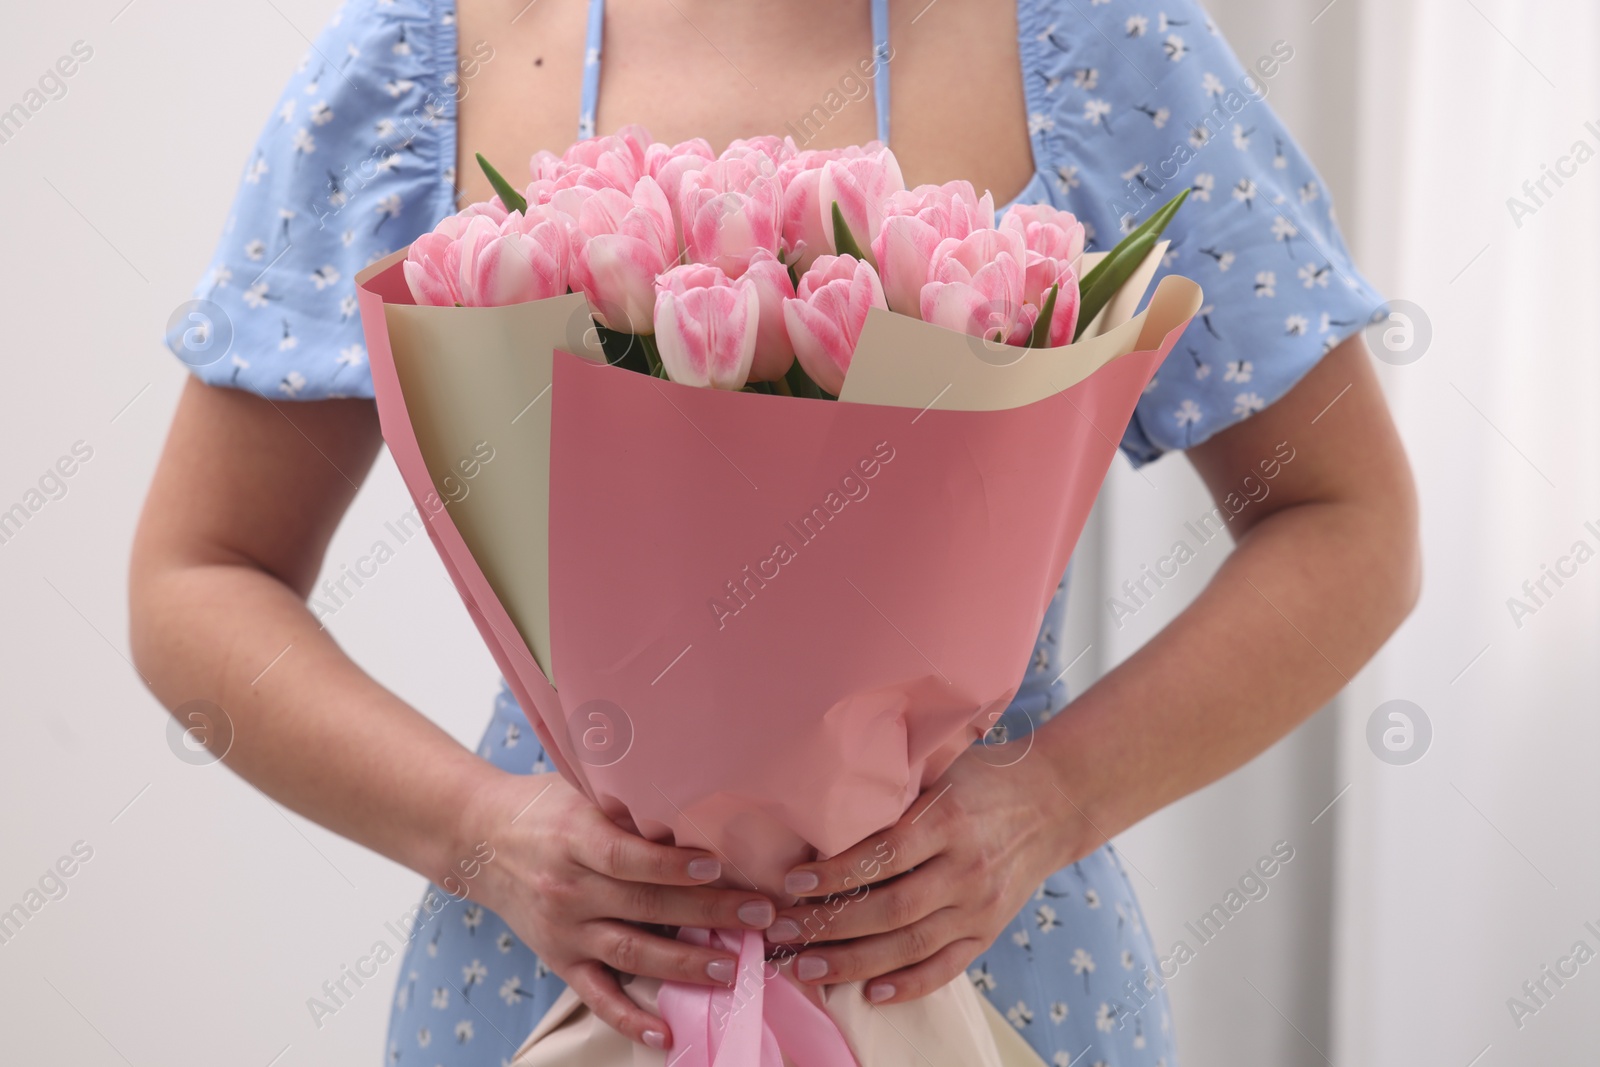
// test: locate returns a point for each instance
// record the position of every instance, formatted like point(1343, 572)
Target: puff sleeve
point(1126, 109)
point(356, 161)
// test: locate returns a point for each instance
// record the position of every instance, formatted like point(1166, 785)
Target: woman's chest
point(723, 70)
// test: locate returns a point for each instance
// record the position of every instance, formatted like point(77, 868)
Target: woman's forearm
point(242, 507)
point(1325, 569)
point(309, 728)
point(1306, 598)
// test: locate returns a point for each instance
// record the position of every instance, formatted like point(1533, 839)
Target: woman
point(1103, 109)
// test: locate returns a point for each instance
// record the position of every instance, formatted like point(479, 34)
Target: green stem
point(652, 354)
point(800, 383)
point(623, 350)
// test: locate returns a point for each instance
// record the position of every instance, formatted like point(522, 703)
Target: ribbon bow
point(748, 1025)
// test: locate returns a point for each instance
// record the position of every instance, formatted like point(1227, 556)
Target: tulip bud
point(705, 326)
point(774, 352)
point(859, 186)
point(827, 315)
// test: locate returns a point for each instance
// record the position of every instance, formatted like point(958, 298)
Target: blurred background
point(1445, 847)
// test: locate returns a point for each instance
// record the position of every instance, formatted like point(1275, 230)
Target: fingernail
point(721, 971)
point(800, 882)
point(654, 1038)
point(757, 913)
point(704, 869)
point(783, 930)
point(810, 968)
point(879, 992)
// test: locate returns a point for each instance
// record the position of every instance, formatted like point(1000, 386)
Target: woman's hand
point(580, 891)
point(906, 911)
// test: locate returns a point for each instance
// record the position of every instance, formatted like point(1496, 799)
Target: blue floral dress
point(1128, 103)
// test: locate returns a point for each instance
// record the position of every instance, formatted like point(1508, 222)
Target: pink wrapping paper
point(774, 620)
point(851, 675)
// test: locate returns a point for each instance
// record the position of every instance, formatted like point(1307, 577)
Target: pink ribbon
point(747, 1025)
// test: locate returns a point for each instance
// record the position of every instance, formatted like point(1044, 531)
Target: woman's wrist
point(465, 790)
point(496, 805)
point(1091, 785)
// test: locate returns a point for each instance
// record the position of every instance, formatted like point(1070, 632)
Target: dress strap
point(591, 69)
point(880, 55)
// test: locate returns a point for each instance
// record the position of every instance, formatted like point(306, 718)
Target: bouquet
point(786, 461)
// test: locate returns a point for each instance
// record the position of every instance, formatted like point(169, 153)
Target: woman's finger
point(938, 970)
point(633, 950)
point(665, 905)
point(875, 909)
point(601, 991)
point(612, 851)
point(868, 957)
point(902, 846)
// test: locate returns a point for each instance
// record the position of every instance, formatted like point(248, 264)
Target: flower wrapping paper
point(751, 623)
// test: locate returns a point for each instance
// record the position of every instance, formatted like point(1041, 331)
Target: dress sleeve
point(357, 160)
point(1127, 109)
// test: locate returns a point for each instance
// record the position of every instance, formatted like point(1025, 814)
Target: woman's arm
point(1324, 570)
point(1326, 566)
point(245, 499)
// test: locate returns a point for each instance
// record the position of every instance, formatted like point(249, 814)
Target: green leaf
point(1154, 224)
point(623, 350)
point(1112, 272)
point(513, 200)
point(843, 239)
point(1041, 328)
point(1120, 266)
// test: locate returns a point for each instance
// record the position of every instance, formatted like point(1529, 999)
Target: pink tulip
point(730, 208)
point(493, 208)
point(807, 228)
point(620, 243)
point(1047, 231)
point(1041, 273)
point(803, 238)
point(618, 157)
point(658, 155)
point(777, 149)
point(859, 185)
point(774, 352)
point(1053, 240)
point(705, 326)
point(515, 267)
point(454, 226)
point(976, 286)
point(914, 223)
point(668, 164)
point(826, 317)
point(432, 268)
point(541, 191)
point(474, 261)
